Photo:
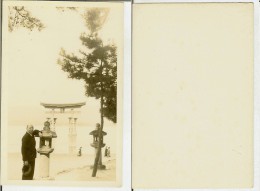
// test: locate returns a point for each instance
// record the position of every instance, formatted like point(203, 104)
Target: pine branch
point(23, 18)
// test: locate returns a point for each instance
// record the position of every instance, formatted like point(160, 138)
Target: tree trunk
point(100, 135)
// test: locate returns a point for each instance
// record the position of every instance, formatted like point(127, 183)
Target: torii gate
point(72, 120)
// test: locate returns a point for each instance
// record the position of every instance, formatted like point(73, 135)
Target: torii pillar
point(72, 135)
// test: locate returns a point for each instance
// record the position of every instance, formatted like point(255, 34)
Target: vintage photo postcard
point(194, 119)
point(62, 94)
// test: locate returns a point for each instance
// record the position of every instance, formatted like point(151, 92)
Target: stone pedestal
point(45, 163)
point(100, 165)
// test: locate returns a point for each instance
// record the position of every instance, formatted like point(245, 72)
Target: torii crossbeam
point(72, 121)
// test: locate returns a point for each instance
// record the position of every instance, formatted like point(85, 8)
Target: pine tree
point(97, 66)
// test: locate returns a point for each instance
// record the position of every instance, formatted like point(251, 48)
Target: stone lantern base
point(45, 162)
point(100, 167)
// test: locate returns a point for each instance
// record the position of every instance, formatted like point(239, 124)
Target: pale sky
point(33, 73)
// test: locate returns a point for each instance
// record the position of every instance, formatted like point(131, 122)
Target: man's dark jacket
point(28, 146)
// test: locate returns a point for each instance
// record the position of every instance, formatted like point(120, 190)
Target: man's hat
point(26, 169)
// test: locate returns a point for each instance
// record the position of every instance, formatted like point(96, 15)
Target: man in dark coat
point(29, 151)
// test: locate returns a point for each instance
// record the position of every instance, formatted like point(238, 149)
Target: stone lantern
point(45, 148)
point(95, 143)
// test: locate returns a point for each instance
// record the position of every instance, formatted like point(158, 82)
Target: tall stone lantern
point(95, 143)
point(45, 149)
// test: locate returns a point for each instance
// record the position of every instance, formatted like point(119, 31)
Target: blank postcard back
point(193, 95)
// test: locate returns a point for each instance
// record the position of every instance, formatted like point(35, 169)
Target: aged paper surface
point(35, 88)
point(193, 95)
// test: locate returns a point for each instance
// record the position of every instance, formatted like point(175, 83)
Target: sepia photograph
point(62, 93)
